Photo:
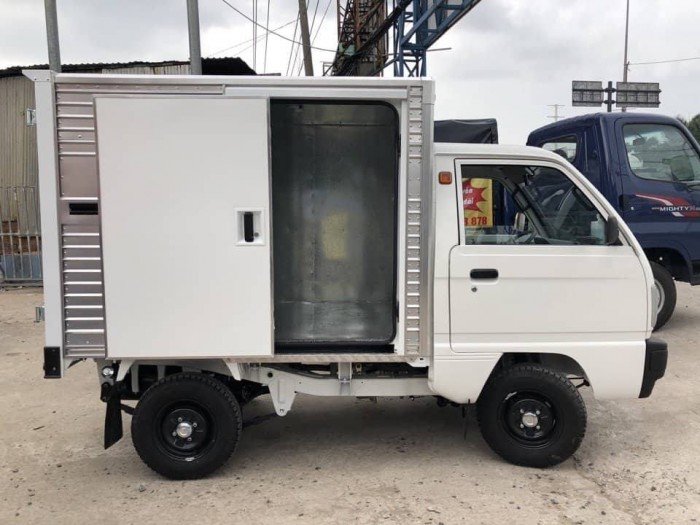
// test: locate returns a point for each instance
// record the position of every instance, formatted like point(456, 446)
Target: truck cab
point(648, 167)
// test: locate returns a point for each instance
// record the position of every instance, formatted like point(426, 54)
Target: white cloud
point(509, 58)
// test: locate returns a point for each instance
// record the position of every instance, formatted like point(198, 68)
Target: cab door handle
point(483, 273)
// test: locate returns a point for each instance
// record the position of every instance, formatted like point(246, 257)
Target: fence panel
point(20, 235)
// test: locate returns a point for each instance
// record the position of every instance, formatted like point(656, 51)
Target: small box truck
point(207, 240)
point(648, 167)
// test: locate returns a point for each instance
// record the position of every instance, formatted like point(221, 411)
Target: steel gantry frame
point(364, 28)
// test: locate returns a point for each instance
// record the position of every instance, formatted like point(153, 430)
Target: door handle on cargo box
point(250, 227)
point(483, 273)
point(248, 233)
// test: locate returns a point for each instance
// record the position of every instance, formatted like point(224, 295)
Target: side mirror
point(612, 231)
point(521, 223)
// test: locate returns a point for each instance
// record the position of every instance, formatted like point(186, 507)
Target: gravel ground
point(346, 461)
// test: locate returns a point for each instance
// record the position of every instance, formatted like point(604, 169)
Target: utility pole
point(609, 92)
point(52, 35)
point(626, 64)
point(556, 115)
point(195, 46)
point(305, 40)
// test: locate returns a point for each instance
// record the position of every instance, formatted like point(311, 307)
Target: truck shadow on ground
point(384, 432)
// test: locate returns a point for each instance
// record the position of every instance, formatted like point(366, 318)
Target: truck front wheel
point(531, 415)
point(186, 425)
point(666, 286)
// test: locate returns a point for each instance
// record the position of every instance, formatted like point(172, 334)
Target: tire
point(182, 405)
point(531, 416)
point(667, 288)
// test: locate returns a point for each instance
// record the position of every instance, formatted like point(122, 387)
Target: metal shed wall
point(19, 199)
point(18, 157)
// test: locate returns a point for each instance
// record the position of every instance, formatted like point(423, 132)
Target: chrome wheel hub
point(184, 429)
point(529, 419)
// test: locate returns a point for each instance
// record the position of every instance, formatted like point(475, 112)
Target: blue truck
point(648, 167)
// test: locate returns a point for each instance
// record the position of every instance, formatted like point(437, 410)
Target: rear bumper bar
point(654, 365)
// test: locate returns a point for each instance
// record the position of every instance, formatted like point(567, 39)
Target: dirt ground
point(346, 461)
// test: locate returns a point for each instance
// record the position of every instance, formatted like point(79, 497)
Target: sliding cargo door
point(185, 205)
point(334, 187)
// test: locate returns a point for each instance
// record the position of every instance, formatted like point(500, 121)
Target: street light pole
point(625, 62)
point(627, 32)
point(305, 39)
point(52, 35)
point(195, 46)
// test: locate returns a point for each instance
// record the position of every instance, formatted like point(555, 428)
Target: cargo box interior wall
point(334, 215)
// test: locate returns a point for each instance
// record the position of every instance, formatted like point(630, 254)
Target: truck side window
point(547, 208)
point(567, 147)
point(661, 152)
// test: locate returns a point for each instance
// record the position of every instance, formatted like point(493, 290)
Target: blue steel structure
point(413, 25)
point(419, 27)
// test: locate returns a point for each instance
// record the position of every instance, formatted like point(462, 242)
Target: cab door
point(542, 277)
point(661, 185)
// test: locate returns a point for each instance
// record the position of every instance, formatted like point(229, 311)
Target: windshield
point(661, 152)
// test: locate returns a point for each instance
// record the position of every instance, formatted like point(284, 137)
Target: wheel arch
point(673, 260)
point(461, 379)
point(561, 363)
point(612, 370)
point(133, 372)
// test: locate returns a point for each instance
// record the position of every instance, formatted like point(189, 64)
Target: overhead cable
point(663, 61)
point(271, 31)
point(248, 40)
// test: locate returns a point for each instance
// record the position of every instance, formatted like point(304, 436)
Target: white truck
point(210, 239)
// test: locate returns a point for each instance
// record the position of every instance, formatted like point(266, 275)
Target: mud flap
point(114, 429)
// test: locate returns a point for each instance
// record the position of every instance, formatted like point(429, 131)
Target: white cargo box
point(240, 217)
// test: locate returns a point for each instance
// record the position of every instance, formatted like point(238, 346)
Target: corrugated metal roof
point(210, 66)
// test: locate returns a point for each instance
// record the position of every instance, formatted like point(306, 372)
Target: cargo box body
point(176, 197)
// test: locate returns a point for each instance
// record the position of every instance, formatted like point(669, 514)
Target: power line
point(248, 40)
point(321, 23)
point(267, 34)
point(313, 20)
point(271, 31)
point(296, 52)
point(664, 61)
point(291, 51)
point(255, 35)
point(246, 48)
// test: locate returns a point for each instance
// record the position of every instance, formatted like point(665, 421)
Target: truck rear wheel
point(531, 415)
point(186, 425)
point(667, 294)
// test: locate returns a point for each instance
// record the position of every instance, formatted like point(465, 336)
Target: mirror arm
point(612, 231)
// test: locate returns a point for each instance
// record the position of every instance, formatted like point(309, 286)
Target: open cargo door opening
point(334, 189)
point(184, 205)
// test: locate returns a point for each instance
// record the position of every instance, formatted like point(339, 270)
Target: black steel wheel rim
point(529, 418)
point(185, 430)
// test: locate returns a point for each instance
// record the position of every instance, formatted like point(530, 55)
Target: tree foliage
point(693, 125)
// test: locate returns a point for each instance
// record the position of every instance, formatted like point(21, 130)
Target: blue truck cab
point(648, 167)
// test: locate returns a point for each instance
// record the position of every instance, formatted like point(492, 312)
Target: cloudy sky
point(509, 59)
